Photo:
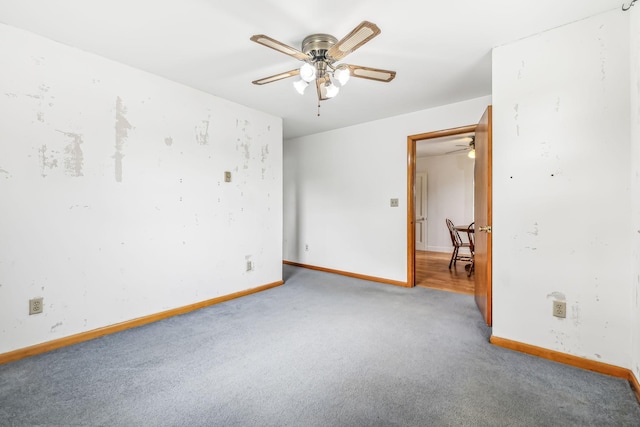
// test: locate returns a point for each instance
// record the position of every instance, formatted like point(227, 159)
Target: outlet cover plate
point(35, 306)
point(560, 309)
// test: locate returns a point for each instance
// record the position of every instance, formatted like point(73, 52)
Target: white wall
point(337, 187)
point(114, 204)
point(634, 16)
point(449, 195)
point(561, 198)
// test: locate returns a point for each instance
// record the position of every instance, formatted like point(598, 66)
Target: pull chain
point(318, 108)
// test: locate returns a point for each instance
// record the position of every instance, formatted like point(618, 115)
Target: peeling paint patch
point(202, 132)
point(74, 158)
point(47, 162)
point(575, 314)
point(557, 295)
point(168, 141)
point(122, 133)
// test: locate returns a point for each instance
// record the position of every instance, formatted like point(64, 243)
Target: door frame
point(411, 177)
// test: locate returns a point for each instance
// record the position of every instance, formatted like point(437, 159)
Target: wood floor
point(432, 271)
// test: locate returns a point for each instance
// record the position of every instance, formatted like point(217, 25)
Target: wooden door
point(421, 211)
point(482, 216)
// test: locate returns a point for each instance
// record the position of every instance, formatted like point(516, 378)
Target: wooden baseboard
point(568, 359)
point(349, 274)
point(635, 385)
point(106, 330)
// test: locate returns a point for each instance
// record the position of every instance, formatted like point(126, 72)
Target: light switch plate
point(394, 203)
point(227, 176)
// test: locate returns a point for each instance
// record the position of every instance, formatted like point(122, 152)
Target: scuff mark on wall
point(122, 132)
point(603, 58)
point(46, 161)
point(55, 326)
point(7, 174)
point(40, 96)
point(575, 314)
point(74, 158)
point(168, 141)
point(520, 71)
point(557, 104)
point(202, 132)
point(264, 157)
point(535, 229)
point(515, 117)
point(245, 143)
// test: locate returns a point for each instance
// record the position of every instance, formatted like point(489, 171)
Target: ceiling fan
point(471, 147)
point(320, 52)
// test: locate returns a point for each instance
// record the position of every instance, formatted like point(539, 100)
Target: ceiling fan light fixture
point(342, 74)
point(471, 154)
point(300, 86)
point(331, 90)
point(308, 72)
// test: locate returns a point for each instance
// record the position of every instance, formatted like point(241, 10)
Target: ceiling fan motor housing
point(316, 46)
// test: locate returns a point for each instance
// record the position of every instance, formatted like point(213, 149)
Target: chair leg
point(453, 256)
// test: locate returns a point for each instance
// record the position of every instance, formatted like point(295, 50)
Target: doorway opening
point(428, 241)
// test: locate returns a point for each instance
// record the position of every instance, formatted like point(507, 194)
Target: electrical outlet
point(394, 203)
point(227, 176)
point(249, 266)
point(35, 306)
point(306, 248)
point(560, 309)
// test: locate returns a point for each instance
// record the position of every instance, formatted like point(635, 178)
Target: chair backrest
point(455, 237)
point(472, 236)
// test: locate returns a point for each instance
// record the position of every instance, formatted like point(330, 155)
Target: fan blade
point(321, 94)
point(352, 41)
point(371, 73)
point(276, 77)
point(455, 151)
point(280, 47)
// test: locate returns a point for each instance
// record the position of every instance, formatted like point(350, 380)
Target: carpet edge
point(348, 274)
point(44, 347)
point(569, 359)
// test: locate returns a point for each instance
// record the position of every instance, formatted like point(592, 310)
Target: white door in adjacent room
point(421, 211)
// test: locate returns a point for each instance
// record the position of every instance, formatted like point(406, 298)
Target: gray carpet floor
point(321, 350)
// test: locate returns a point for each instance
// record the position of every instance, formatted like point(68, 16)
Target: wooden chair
point(458, 244)
point(471, 235)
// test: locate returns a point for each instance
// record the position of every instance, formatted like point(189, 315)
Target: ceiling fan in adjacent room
point(320, 54)
point(470, 147)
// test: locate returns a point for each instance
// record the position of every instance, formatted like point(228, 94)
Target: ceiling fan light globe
point(331, 90)
point(300, 86)
point(342, 75)
point(307, 72)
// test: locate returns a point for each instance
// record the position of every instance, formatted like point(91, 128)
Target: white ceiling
point(441, 50)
